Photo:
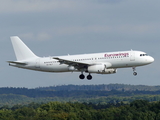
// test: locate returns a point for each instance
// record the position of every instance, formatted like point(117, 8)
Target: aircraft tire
point(135, 73)
point(89, 77)
point(81, 76)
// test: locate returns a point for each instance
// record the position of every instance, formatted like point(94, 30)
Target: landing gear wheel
point(81, 76)
point(135, 73)
point(89, 77)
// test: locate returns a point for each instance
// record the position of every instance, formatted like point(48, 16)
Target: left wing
point(76, 64)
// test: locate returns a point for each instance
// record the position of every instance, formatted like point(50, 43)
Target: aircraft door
point(37, 63)
point(132, 56)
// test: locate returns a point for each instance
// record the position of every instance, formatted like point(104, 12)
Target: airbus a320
point(100, 63)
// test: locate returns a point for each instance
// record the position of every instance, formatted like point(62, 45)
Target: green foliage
point(83, 102)
point(136, 110)
point(97, 94)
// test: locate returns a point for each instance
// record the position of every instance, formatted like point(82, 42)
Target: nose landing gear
point(134, 71)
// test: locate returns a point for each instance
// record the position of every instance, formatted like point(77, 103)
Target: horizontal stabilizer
point(20, 63)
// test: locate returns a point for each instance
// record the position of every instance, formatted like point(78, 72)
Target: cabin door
point(132, 56)
point(37, 63)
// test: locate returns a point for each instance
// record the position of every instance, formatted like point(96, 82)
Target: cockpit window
point(143, 54)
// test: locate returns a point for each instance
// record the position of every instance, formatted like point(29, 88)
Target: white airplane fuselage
point(101, 63)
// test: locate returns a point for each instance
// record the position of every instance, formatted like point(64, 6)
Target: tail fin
point(22, 52)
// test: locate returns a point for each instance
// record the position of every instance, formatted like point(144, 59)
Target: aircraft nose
point(151, 59)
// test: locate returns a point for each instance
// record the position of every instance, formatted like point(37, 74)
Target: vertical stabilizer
point(22, 52)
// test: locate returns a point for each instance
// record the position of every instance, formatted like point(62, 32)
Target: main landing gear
point(81, 76)
point(134, 71)
point(89, 77)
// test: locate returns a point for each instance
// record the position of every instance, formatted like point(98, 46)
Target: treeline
point(136, 110)
point(36, 93)
point(12, 99)
point(104, 94)
point(85, 91)
point(103, 87)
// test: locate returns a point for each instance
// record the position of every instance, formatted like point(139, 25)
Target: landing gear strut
point(134, 71)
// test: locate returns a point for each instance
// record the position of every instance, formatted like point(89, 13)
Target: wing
point(77, 64)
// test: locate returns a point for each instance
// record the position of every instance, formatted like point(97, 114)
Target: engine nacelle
point(71, 68)
point(95, 68)
point(109, 71)
point(100, 69)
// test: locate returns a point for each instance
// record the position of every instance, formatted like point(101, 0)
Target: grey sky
point(60, 27)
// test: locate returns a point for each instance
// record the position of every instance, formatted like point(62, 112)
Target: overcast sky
point(61, 27)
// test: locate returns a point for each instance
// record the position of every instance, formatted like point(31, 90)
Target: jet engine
point(71, 68)
point(100, 69)
point(109, 71)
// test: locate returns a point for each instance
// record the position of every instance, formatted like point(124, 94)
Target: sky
point(61, 27)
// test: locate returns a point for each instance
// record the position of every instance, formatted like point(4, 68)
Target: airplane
point(100, 63)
